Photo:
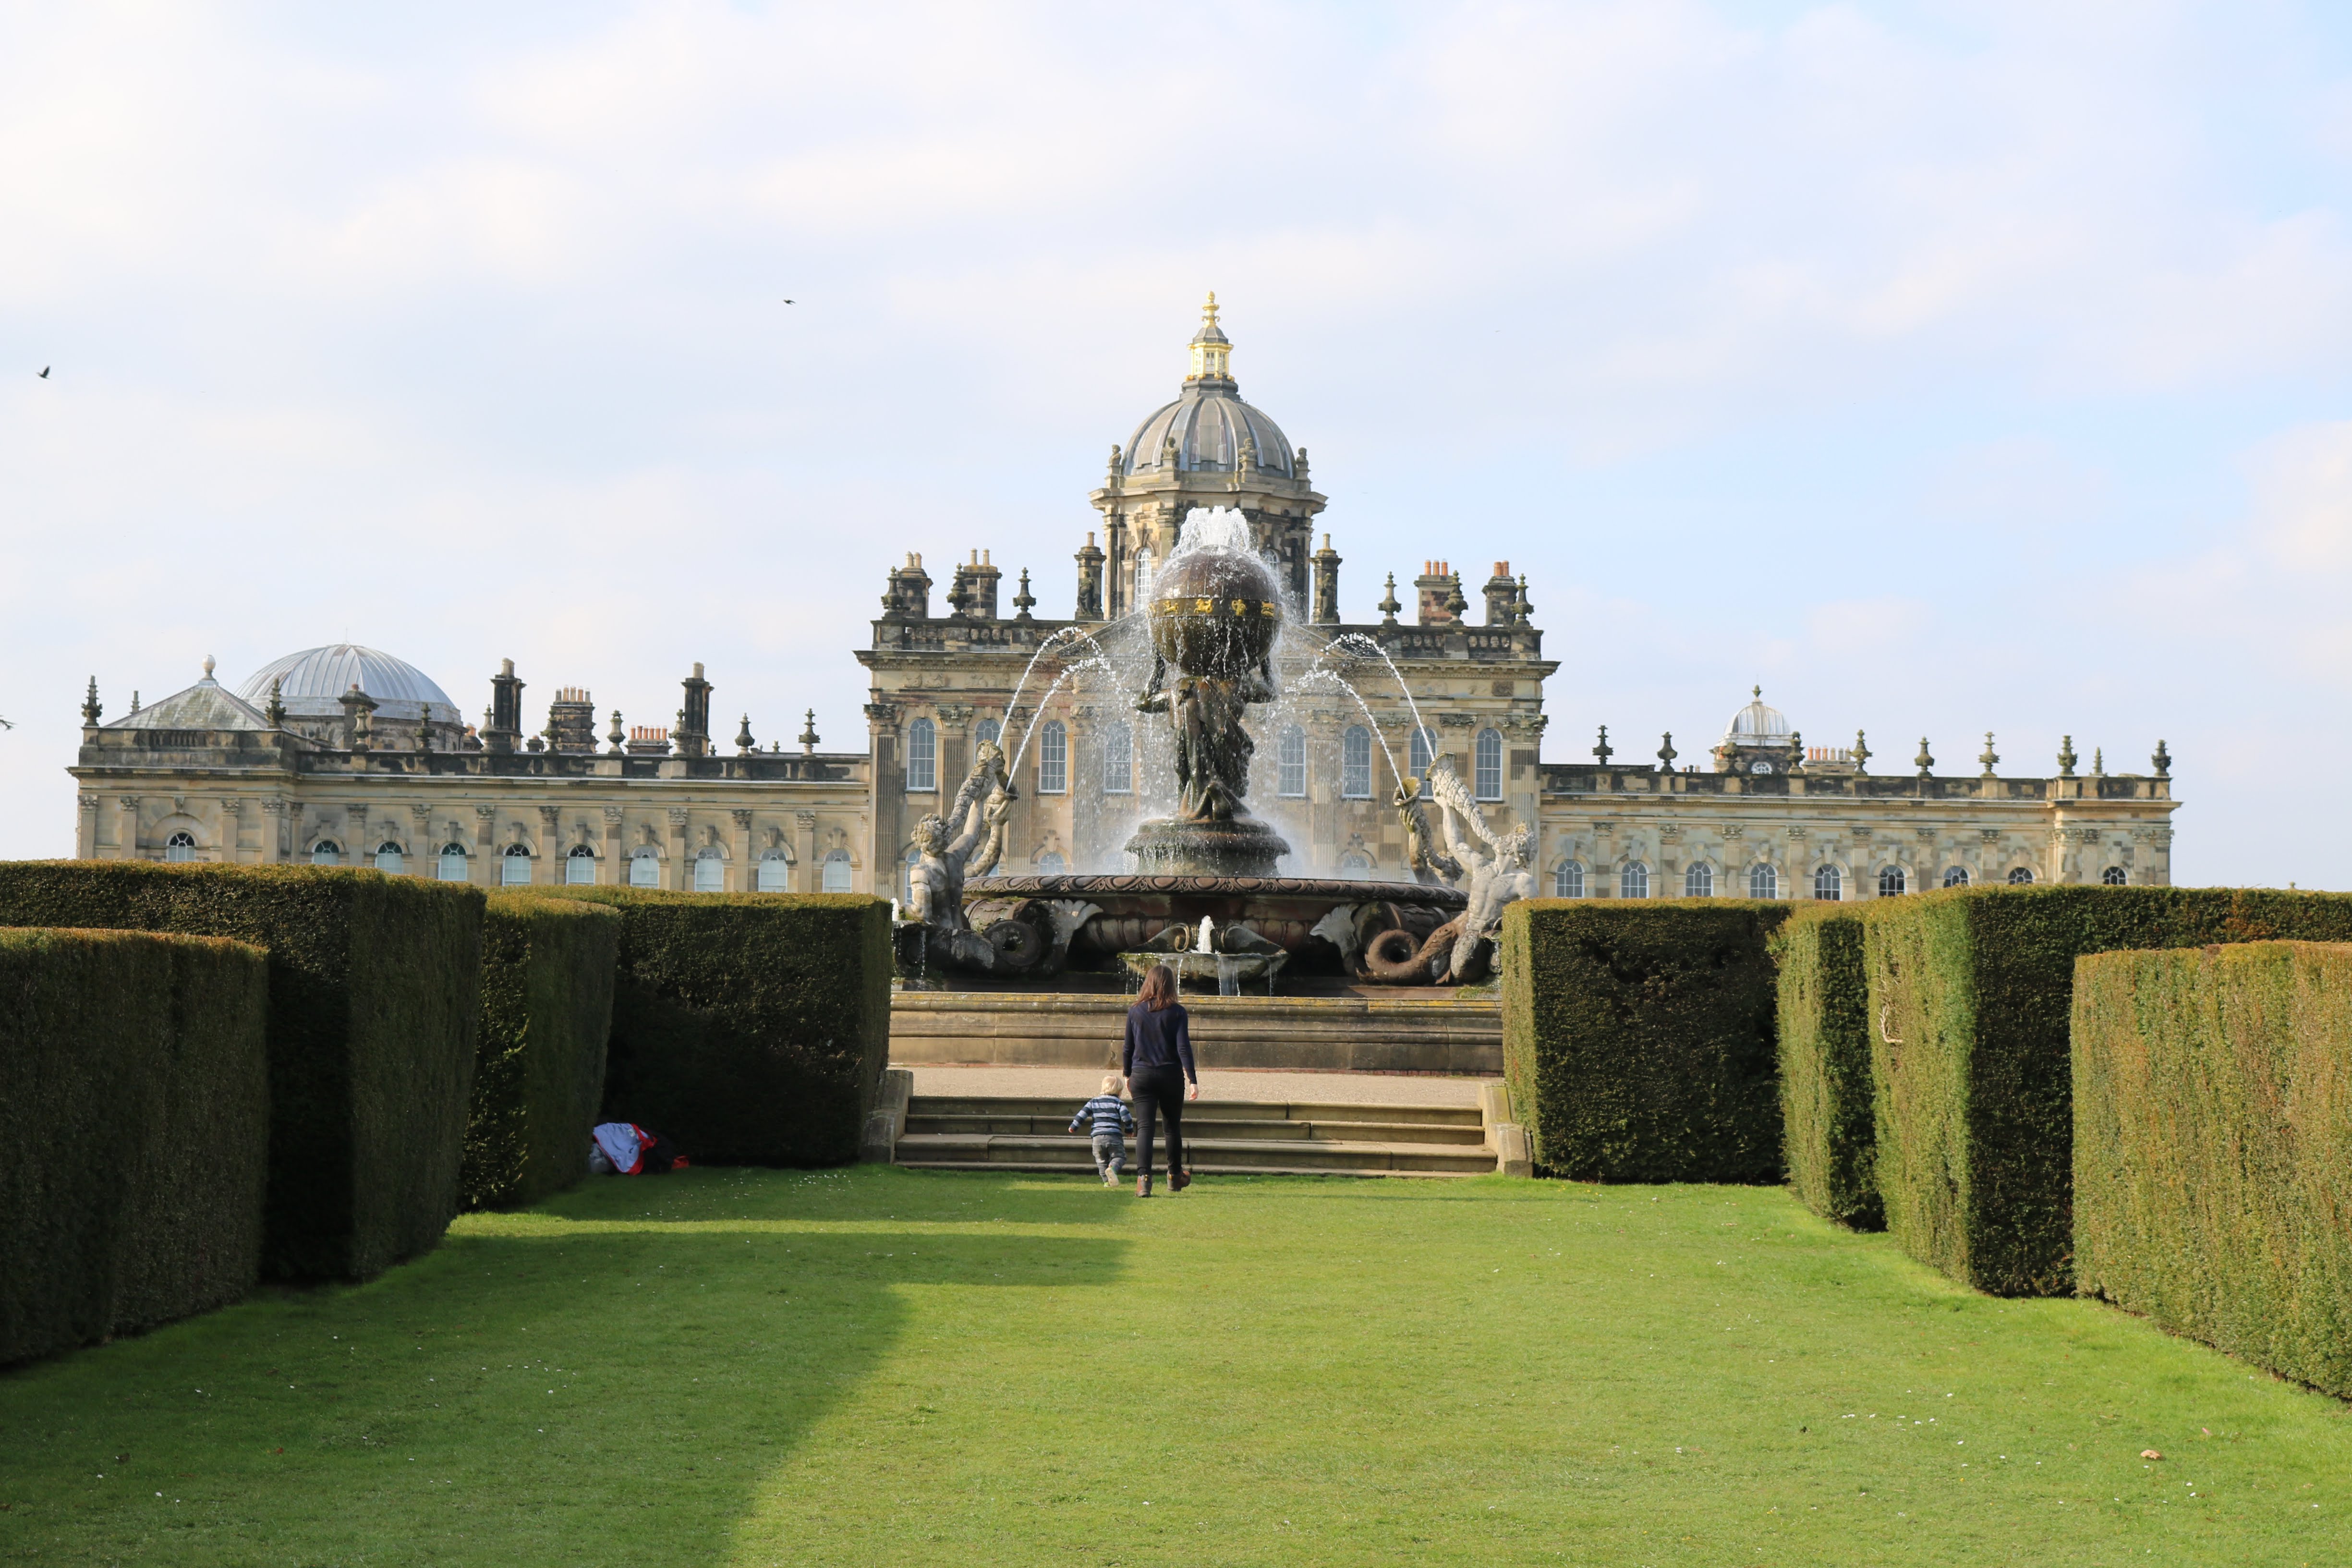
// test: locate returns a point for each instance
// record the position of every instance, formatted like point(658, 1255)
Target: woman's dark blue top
point(1161, 1039)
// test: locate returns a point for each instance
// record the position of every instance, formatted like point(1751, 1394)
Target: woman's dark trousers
point(1159, 1090)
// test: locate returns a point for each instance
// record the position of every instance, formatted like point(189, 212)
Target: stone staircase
point(1229, 1137)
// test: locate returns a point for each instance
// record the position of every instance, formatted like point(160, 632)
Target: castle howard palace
point(344, 755)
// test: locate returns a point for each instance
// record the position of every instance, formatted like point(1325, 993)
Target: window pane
point(1828, 884)
point(1957, 877)
point(710, 872)
point(1423, 751)
point(180, 847)
point(837, 871)
point(514, 868)
point(1490, 764)
point(1355, 763)
point(1355, 867)
point(580, 867)
point(1892, 883)
point(1050, 864)
point(922, 755)
point(645, 869)
point(775, 875)
point(1568, 882)
point(1633, 881)
point(1291, 776)
point(2021, 877)
point(453, 864)
point(1763, 883)
point(326, 852)
point(989, 729)
point(1698, 882)
point(1119, 760)
point(1053, 758)
point(2114, 877)
point(388, 859)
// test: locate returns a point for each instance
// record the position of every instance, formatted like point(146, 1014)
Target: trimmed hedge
point(134, 1079)
point(1832, 1141)
point(2214, 1148)
point(539, 1079)
point(1970, 995)
point(1638, 1037)
point(751, 1027)
point(374, 1003)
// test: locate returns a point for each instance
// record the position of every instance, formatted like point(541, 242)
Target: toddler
point(1112, 1122)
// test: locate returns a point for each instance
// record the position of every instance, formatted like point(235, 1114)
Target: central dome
point(1759, 723)
point(1208, 428)
point(311, 685)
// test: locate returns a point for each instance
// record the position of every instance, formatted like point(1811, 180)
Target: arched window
point(514, 867)
point(2114, 877)
point(988, 729)
point(453, 862)
point(923, 757)
point(1423, 751)
point(580, 867)
point(1567, 882)
point(1828, 884)
point(388, 859)
point(1698, 881)
point(180, 847)
point(644, 868)
point(1763, 883)
point(1355, 763)
point(710, 872)
point(1290, 777)
point(1053, 758)
point(837, 871)
point(326, 852)
point(1118, 759)
point(2021, 877)
point(1892, 883)
point(1956, 877)
point(775, 872)
point(1633, 880)
point(1488, 767)
point(1142, 578)
point(1356, 865)
point(1052, 864)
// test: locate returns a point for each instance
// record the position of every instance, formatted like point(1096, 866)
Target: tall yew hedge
point(1971, 991)
point(373, 1005)
point(751, 1027)
point(2213, 1147)
point(134, 1085)
point(1638, 1037)
point(539, 1079)
point(1832, 1141)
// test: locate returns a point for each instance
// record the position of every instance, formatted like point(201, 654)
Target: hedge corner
point(1826, 1108)
point(539, 1078)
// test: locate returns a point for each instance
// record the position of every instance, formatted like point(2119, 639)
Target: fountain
point(1205, 892)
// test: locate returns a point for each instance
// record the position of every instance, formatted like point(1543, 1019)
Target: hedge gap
point(373, 1005)
point(134, 1079)
point(751, 1027)
point(1638, 1037)
point(2213, 1147)
point(538, 1077)
point(1971, 992)
point(1831, 1137)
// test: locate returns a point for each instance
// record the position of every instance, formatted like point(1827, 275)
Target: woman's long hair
point(1159, 988)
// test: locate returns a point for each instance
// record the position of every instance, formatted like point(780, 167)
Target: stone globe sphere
point(1214, 612)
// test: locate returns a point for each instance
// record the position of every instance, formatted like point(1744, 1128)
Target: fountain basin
point(1224, 972)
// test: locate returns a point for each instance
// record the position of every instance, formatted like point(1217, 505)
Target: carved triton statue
point(968, 840)
point(1493, 870)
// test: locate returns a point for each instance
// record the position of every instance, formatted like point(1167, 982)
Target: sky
point(1942, 368)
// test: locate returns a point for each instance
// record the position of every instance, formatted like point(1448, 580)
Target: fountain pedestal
point(1173, 847)
point(1227, 971)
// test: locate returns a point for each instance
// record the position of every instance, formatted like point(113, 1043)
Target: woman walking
point(1158, 1063)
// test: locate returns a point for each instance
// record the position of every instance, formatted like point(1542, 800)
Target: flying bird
point(788, 301)
point(45, 369)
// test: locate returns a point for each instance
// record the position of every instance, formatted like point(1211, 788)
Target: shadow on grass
point(603, 1378)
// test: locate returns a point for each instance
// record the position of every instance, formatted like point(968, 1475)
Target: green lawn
point(879, 1366)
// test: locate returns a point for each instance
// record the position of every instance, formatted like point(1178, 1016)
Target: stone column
point(486, 846)
point(746, 877)
point(423, 853)
point(613, 871)
point(86, 827)
point(273, 831)
point(812, 874)
point(126, 827)
point(232, 821)
point(549, 868)
point(681, 876)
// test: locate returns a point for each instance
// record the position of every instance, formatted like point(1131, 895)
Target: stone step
point(1202, 1122)
point(1236, 1110)
point(1459, 1032)
point(956, 1151)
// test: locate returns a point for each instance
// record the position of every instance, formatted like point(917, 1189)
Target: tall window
point(1698, 882)
point(326, 852)
point(180, 847)
point(1424, 751)
point(1956, 877)
point(580, 866)
point(1142, 578)
point(1052, 864)
point(710, 872)
point(1118, 759)
point(923, 757)
point(388, 859)
point(453, 862)
point(1488, 767)
point(1053, 758)
point(1355, 763)
point(1892, 883)
point(2021, 877)
point(644, 868)
point(1356, 865)
point(837, 871)
point(2114, 877)
point(514, 867)
point(1568, 882)
point(1763, 883)
point(1828, 884)
point(988, 729)
point(775, 872)
point(1633, 880)
point(1290, 777)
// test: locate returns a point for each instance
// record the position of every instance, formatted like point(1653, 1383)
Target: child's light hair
point(1110, 1083)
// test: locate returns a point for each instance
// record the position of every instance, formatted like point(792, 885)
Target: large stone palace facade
point(346, 755)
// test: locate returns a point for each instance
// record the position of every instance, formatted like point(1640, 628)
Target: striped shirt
point(1111, 1117)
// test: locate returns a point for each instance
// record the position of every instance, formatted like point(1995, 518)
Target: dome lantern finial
point(1211, 349)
